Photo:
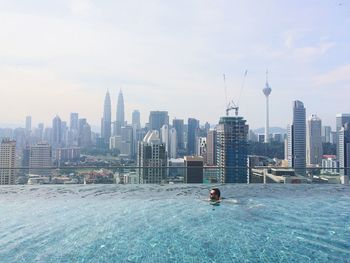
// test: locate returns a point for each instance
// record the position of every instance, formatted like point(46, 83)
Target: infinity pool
point(175, 223)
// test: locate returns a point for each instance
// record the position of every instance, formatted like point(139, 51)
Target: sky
point(61, 56)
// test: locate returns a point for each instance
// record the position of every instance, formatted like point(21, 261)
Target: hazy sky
point(58, 57)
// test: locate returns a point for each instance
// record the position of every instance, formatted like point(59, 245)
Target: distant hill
point(272, 130)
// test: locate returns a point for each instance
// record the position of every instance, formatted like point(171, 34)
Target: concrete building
point(152, 159)
point(330, 164)
point(7, 162)
point(314, 141)
point(211, 148)
point(40, 160)
point(67, 154)
point(194, 169)
point(173, 143)
point(164, 136)
point(232, 156)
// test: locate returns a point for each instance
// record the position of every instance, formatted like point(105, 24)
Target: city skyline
point(61, 57)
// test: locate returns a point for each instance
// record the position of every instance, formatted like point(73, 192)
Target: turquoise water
point(125, 223)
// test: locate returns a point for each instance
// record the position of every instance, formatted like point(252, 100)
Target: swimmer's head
point(214, 194)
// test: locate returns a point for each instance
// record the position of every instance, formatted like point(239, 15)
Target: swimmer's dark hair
point(217, 191)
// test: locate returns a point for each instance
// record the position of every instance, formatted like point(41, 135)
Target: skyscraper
point(107, 119)
point(192, 134)
point(157, 119)
point(314, 141)
point(120, 119)
point(178, 124)
point(74, 121)
point(232, 158)
point(164, 136)
point(136, 119)
point(344, 151)
point(56, 132)
point(297, 139)
point(267, 91)
point(341, 119)
point(28, 124)
point(40, 159)
point(7, 162)
point(173, 143)
point(211, 148)
point(152, 159)
point(326, 134)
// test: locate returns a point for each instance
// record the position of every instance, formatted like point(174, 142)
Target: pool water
point(175, 223)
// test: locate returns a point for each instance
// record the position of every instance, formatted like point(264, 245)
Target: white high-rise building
point(314, 141)
point(267, 92)
point(173, 143)
point(7, 162)
point(164, 136)
point(344, 152)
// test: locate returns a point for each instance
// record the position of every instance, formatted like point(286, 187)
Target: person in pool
point(214, 195)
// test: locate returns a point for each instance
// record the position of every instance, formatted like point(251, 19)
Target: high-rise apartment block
point(232, 147)
point(7, 162)
point(314, 141)
point(152, 159)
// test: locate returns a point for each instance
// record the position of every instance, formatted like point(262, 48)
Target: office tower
point(267, 92)
point(74, 121)
point(232, 147)
point(192, 134)
point(85, 136)
point(297, 139)
point(152, 159)
point(39, 132)
point(64, 134)
point(207, 127)
point(211, 148)
point(314, 141)
point(164, 136)
point(194, 169)
point(48, 135)
point(28, 124)
point(326, 134)
point(7, 162)
point(40, 160)
point(341, 119)
point(136, 119)
point(127, 135)
point(56, 132)
point(178, 124)
point(344, 151)
point(157, 119)
point(173, 143)
point(107, 119)
point(120, 119)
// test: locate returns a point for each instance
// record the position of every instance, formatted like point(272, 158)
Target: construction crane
point(232, 105)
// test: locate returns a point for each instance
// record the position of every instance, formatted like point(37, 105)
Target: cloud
point(338, 76)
